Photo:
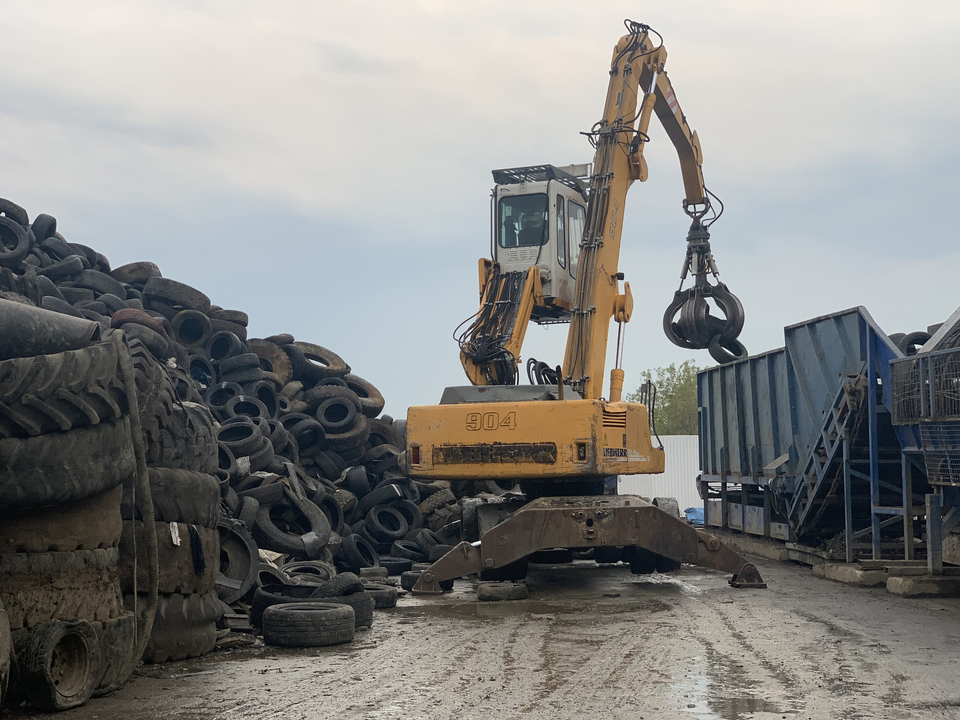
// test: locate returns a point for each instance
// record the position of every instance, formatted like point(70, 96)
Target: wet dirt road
point(684, 646)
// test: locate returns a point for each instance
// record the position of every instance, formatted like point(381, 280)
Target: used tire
point(118, 643)
point(64, 467)
point(356, 552)
point(371, 400)
point(239, 561)
point(176, 294)
point(494, 591)
point(185, 626)
point(384, 596)
point(62, 391)
point(317, 363)
point(308, 625)
point(188, 567)
point(265, 597)
point(84, 525)
point(362, 604)
point(180, 496)
point(296, 527)
point(6, 651)
point(59, 664)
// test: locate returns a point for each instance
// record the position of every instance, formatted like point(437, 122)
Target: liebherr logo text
point(615, 452)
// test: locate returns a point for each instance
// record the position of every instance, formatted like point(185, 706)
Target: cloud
point(325, 166)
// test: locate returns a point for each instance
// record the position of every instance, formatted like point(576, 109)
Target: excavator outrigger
point(556, 247)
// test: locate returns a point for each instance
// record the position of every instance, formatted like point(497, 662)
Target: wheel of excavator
point(642, 561)
point(513, 572)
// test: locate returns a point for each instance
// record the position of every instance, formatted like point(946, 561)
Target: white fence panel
point(679, 480)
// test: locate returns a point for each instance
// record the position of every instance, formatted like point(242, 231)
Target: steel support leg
point(847, 501)
point(934, 535)
point(906, 467)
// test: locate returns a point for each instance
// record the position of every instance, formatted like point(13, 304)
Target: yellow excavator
point(555, 252)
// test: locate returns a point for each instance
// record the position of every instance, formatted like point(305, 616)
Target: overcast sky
point(325, 166)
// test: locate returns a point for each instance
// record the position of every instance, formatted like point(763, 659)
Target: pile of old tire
point(67, 446)
point(276, 421)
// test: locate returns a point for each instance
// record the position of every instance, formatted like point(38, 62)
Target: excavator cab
point(538, 216)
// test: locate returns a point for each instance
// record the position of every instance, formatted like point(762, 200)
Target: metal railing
point(926, 387)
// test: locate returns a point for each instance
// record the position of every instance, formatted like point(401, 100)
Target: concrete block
point(852, 574)
point(926, 585)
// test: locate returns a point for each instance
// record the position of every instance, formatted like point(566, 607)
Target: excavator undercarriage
point(626, 521)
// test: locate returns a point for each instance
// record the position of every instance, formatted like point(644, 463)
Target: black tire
point(321, 393)
point(67, 267)
point(607, 555)
point(176, 294)
point(386, 524)
point(100, 283)
point(14, 212)
point(410, 512)
point(186, 441)
point(201, 369)
point(247, 406)
point(382, 434)
point(395, 565)
point(265, 597)
point(244, 361)
point(239, 561)
point(59, 664)
point(222, 345)
point(60, 392)
point(185, 626)
point(43, 226)
point(426, 540)
point(308, 572)
point(555, 556)
point(118, 643)
point(384, 596)
point(331, 508)
point(6, 653)
point(317, 363)
point(343, 584)
point(266, 393)
point(42, 587)
point(241, 438)
point(217, 396)
point(87, 524)
point(383, 495)
point(495, 591)
point(356, 553)
point(65, 467)
point(436, 501)
point(409, 550)
point(135, 273)
point(911, 342)
point(295, 527)
point(191, 328)
point(308, 625)
point(178, 496)
point(362, 604)
point(513, 572)
point(309, 436)
point(370, 398)
point(14, 242)
point(188, 568)
point(247, 513)
point(337, 415)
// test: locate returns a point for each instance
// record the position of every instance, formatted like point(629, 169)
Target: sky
point(325, 166)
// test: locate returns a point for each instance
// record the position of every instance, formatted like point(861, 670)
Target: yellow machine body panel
point(550, 440)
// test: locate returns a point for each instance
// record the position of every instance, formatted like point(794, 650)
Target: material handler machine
point(555, 253)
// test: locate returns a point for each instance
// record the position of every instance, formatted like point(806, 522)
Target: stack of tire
point(66, 449)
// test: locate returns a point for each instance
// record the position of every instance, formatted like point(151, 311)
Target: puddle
point(717, 688)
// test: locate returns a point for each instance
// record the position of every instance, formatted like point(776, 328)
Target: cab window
point(576, 220)
point(561, 233)
point(523, 220)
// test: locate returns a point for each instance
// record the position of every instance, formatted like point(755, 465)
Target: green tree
point(676, 399)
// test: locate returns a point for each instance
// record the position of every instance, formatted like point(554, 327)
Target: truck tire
point(60, 392)
point(118, 643)
point(437, 500)
point(84, 525)
point(185, 626)
point(187, 568)
point(308, 625)
point(64, 467)
point(182, 496)
point(42, 587)
point(272, 359)
point(59, 664)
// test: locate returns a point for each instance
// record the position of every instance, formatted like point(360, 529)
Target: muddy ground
point(681, 646)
